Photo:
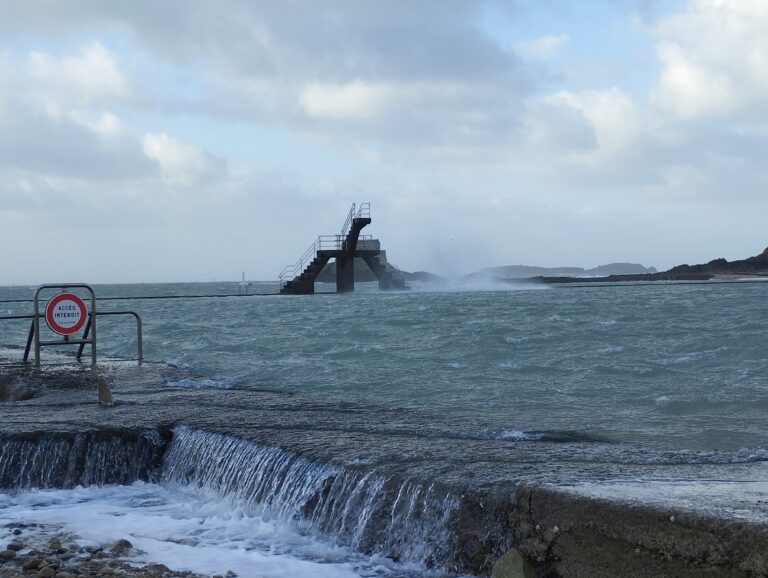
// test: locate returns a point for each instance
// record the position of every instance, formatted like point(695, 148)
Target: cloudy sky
point(192, 140)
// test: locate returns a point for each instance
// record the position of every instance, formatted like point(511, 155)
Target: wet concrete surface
point(519, 490)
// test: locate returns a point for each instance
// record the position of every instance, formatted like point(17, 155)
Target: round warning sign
point(65, 314)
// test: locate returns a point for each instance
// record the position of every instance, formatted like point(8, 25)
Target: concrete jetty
point(486, 507)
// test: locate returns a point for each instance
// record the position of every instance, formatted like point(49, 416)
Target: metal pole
point(93, 326)
point(36, 325)
point(85, 336)
point(139, 338)
point(29, 340)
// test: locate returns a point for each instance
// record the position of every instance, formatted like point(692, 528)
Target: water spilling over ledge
point(377, 481)
point(80, 459)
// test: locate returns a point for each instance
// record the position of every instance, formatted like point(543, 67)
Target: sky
point(194, 140)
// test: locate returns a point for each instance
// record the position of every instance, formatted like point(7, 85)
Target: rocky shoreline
point(34, 550)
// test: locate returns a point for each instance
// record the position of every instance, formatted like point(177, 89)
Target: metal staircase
point(299, 278)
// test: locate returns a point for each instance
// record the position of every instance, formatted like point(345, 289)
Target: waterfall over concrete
point(87, 458)
point(404, 520)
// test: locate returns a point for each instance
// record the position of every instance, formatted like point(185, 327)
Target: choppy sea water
point(652, 374)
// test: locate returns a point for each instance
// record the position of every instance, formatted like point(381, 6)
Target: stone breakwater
point(380, 480)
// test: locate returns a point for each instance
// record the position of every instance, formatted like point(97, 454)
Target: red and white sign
point(65, 314)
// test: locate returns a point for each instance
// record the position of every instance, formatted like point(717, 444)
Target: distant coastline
point(756, 266)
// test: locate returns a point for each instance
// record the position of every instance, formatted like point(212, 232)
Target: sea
point(634, 377)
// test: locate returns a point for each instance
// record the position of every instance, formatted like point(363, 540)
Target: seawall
point(366, 477)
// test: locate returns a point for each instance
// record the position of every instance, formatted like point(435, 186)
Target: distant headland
point(756, 266)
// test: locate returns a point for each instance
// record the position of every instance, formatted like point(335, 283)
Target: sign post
point(65, 314)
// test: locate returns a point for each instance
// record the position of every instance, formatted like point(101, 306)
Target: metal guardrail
point(82, 343)
point(348, 222)
point(322, 243)
point(139, 332)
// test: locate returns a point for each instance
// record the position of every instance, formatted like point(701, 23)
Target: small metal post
point(29, 340)
point(36, 327)
point(85, 336)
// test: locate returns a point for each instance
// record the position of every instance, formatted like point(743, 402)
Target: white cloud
point(353, 100)
point(90, 78)
point(106, 124)
point(613, 114)
point(180, 164)
point(714, 59)
point(542, 48)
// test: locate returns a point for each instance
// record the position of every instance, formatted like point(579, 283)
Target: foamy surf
point(177, 529)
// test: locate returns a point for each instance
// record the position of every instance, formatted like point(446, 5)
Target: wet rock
point(121, 547)
point(64, 575)
point(32, 564)
point(16, 545)
point(158, 569)
point(17, 532)
point(6, 555)
point(55, 544)
point(512, 565)
point(47, 572)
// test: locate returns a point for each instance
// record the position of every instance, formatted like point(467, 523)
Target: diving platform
point(299, 278)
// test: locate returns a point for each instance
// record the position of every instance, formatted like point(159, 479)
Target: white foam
point(559, 318)
point(185, 533)
point(199, 383)
point(511, 339)
point(518, 435)
point(611, 349)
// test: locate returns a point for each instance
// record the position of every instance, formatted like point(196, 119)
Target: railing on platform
point(326, 243)
point(348, 222)
point(322, 243)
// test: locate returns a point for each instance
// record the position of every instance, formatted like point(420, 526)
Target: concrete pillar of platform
point(345, 274)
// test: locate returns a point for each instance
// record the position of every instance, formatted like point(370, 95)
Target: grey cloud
point(281, 48)
point(33, 142)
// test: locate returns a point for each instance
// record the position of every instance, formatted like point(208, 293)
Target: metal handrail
point(348, 222)
point(83, 342)
point(322, 243)
point(139, 333)
point(326, 243)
